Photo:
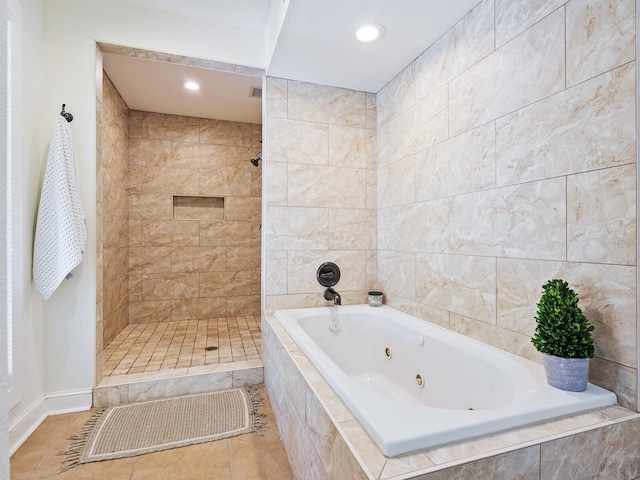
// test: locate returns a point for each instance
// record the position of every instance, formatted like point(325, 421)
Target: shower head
point(255, 161)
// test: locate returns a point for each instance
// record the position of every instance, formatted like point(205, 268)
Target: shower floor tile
point(153, 347)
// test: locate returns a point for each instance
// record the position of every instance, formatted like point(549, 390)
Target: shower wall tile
point(197, 308)
point(199, 156)
point(225, 284)
point(197, 259)
point(601, 218)
point(468, 42)
point(326, 186)
point(221, 132)
point(135, 124)
point(276, 95)
point(151, 206)
point(243, 209)
point(532, 143)
point(149, 260)
point(323, 104)
point(243, 258)
point(149, 311)
point(512, 18)
point(525, 221)
point(149, 152)
point(170, 233)
point(465, 285)
point(502, 82)
point(352, 147)
point(173, 133)
point(160, 286)
point(225, 233)
point(294, 141)
point(397, 95)
point(600, 36)
point(194, 243)
point(462, 164)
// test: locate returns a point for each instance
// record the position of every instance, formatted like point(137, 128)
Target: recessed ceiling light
point(191, 86)
point(370, 32)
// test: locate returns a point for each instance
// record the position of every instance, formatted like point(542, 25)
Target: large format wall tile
point(303, 265)
point(324, 104)
point(296, 141)
point(297, 228)
point(397, 95)
point(352, 147)
point(462, 164)
point(276, 95)
point(352, 229)
point(461, 284)
point(601, 218)
point(397, 273)
point(526, 221)
point(326, 186)
point(397, 183)
point(420, 227)
point(468, 42)
point(607, 298)
point(417, 128)
point(607, 452)
point(583, 128)
point(600, 36)
point(502, 82)
point(512, 18)
point(212, 254)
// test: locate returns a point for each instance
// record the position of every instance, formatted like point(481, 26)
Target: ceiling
point(315, 44)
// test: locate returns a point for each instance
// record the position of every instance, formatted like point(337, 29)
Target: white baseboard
point(26, 423)
point(51, 404)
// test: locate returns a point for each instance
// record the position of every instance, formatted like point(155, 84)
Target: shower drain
point(210, 349)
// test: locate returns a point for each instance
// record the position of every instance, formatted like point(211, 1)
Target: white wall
point(59, 66)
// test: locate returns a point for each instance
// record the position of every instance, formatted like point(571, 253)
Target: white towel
point(60, 230)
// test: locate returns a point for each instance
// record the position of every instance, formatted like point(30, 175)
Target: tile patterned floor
point(151, 347)
point(246, 457)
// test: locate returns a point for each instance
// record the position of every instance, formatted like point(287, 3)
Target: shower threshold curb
point(139, 387)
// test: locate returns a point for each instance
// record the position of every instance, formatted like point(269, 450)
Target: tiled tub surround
point(320, 195)
point(324, 441)
point(194, 218)
point(506, 157)
point(372, 357)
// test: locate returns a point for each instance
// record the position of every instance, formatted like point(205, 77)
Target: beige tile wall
point(191, 258)
point(320, 192)
point(113, 213)
point(506, 157)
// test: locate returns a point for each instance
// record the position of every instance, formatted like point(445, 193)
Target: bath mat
point(139, 428)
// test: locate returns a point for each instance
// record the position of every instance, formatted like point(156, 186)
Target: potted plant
point(563, 336)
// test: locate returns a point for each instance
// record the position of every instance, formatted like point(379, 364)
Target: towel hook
point(66, 115)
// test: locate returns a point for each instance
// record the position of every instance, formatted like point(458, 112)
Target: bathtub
point(414, 385)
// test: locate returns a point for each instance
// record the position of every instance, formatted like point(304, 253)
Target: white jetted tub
point(414, 385)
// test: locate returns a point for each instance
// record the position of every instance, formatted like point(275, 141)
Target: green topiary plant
point(562, 330)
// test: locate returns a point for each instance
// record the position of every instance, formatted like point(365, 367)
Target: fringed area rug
point(139, 428)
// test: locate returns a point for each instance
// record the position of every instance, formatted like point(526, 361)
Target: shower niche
point(198, 208)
